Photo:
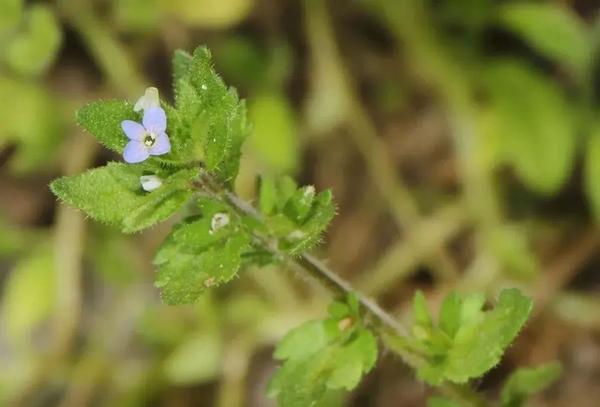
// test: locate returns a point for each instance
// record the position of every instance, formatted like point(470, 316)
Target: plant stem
point(305, 261)
point(392, 333)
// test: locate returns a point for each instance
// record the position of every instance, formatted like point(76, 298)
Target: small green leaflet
point(552, 29)
point(212, 117)
point(323, 356)
point(113, 194)
point(467, 342)
point(202, 252)
point(527, 381)
point(296, 216)
point(532, 123)
point(34, 49)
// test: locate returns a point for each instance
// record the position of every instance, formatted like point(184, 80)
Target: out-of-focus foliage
point(527, 381)
point(479, 116)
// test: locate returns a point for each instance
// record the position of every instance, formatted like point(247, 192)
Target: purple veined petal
point(155, 120)
point(133, 130)
point(161, 146)
point(135, 152)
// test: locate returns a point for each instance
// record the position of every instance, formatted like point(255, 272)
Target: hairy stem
point(392, 333)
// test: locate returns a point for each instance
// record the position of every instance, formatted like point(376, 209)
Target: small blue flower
point(148, 138)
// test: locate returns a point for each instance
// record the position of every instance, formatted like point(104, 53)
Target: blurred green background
point(461, 139)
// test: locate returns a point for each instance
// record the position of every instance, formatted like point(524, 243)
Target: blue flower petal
point(155, 120)
point(161, 146)
point(135, 152)
point(133, 130)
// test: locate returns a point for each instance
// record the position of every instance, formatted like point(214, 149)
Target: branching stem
point(392, 333)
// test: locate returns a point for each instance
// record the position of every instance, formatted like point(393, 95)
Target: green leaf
point(200, 253)
point(470, 310)
point(103, 120)
point(478, 347)
point(510, 244)
point(300, 204)
point(28, 296)
point(32, 120)
point(181, 65)
point(353, 360)
point(10, 15)
point(196, 360)
point(533, 124)
point(527, 381)
point(338, 310)
point(421, 313)
point(296, 216)
point(308, 233)
point(274, 137)
point(113, 194)
point(592, 171)
point(212, 118)
point(467, 342)
point(552, 29)
point(303, 341)
point(450, 314)
point(441, 402)
point(33, 51)
point(320, 357)
point(141, 16)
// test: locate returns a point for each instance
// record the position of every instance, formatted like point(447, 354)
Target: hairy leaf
point(467, 342)
point(200, 253)
point(103, 120)
point(113, 194)
point(321, 357)
point(477, 348)
point(213, 119)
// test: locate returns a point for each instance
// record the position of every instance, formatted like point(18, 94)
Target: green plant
point(218, 234)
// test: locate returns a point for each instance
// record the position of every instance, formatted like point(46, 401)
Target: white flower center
point(149, 139)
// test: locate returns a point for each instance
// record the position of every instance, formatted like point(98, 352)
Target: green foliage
point(32, 120)
point(510, 244)
point(323, 356)
point(196, 360)
point(532, 124)
point(525, 382)
point(275, 137)
point(137, 15)
point(10, 14)
point(467, 342)
point(33, 50)
point(33, 279)
point(113, 194)
point(296, 216)
point(201, 252)
point(209, 13)
point(211, 116)
point(592, 171)
point(103, 120)
point(554, 30)
point(441, 402)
